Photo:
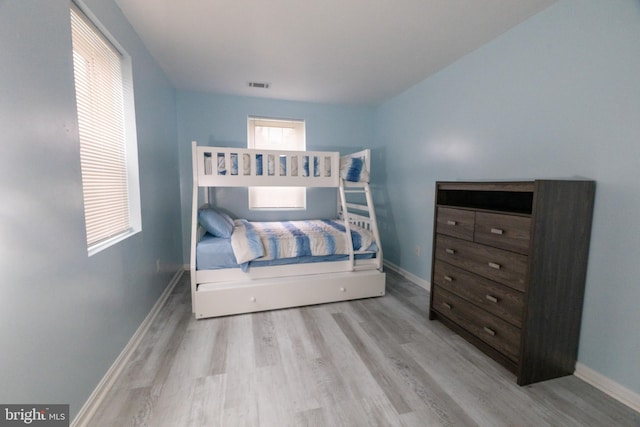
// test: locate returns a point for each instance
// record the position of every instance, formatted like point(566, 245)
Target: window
point(276, 134)
point(106, 126)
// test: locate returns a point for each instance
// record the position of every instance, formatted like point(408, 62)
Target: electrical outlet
point(417, 250)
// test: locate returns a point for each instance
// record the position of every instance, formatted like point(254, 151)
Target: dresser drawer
point(455, 222)
point(499, 265)
point(496, 332)
point(497, 299)
point(508, 232)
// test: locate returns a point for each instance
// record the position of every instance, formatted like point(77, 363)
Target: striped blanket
point(290, 239)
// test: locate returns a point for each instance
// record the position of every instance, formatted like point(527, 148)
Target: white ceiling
point(330, 51)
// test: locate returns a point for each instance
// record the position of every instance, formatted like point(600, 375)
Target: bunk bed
point(233, 270)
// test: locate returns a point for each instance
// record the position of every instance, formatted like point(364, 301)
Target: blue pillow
point(354, 169)
point(215, 222)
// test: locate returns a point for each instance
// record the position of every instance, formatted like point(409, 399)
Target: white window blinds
point(101, 122)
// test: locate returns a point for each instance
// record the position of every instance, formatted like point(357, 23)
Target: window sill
point(105, 244)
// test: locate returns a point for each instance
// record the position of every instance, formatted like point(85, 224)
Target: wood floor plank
point(206, 404)
point(387, 382)
point(421, 418)
point(240, 344)
point(218, 361)
point(575, 403)
point(151, 360)
point(488, 401)
point(292, 337)
point(117, 403)
point(241, 416)
point(454, 374)
point(352, 413)
point(240, 389)
point(351, 374)
point(272, 396)
point(380, 412)
point(370, 362)
point(265, 341)
point(595, 400)
point(417, 379)
point(311, 418)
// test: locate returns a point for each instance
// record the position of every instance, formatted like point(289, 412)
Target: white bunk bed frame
point(231, 291)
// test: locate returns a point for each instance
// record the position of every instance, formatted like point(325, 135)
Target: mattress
point(213, 253)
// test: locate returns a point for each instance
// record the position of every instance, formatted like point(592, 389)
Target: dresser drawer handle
point(497, 231)
point(449, 222)
point(448, 278)
point(490, 331)
point(494, 265)
point(447, 305)
point(450, 251)
point(491, 298)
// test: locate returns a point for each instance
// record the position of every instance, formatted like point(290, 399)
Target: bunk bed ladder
point(347, 223)
point(374, 222)
point(370, 218)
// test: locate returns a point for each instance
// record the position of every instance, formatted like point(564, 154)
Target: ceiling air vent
point(259, 85)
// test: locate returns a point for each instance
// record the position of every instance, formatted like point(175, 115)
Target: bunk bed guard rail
point(238, 167)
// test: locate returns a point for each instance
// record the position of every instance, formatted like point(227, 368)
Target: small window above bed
point(276, 134)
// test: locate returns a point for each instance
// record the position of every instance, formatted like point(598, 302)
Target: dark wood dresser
point(509, 266)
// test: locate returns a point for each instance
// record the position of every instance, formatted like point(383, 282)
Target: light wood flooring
point(373, 362)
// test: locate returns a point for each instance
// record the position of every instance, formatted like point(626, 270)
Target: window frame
point(129, 139)
point(297, 193)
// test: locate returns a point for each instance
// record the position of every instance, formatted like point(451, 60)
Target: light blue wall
point(557, 96)
point(65, 317)
point(222, 120)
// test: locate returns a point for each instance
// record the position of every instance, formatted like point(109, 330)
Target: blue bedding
point(293, 239)
point(214, 253)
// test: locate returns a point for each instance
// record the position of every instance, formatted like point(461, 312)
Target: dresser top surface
point(508, 186)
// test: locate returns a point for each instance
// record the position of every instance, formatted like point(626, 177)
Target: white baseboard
point(83, 418)
point(608, 386)
point(409, 276)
